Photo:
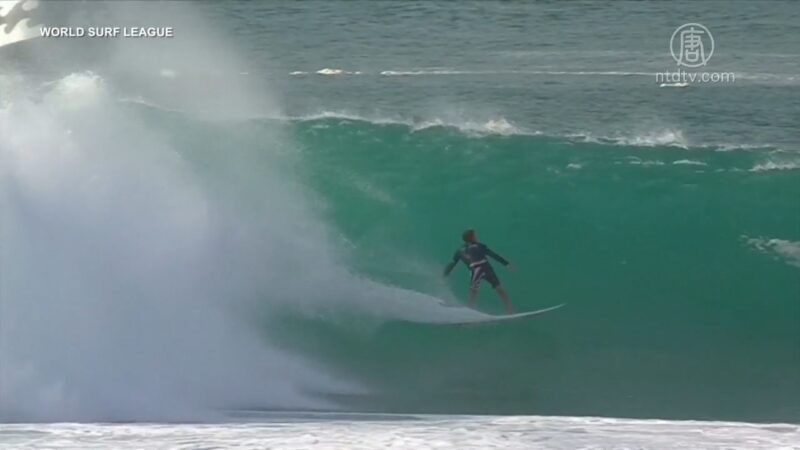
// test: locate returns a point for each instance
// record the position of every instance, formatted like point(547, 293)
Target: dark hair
point(468, 235)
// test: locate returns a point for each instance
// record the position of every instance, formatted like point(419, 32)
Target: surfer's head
point(468, 235)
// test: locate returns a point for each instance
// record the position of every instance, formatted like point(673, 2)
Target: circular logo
point(691, 45)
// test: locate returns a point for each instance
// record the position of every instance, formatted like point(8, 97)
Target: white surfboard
point(493, 319)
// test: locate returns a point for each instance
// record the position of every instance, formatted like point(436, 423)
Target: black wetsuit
point(473, 255)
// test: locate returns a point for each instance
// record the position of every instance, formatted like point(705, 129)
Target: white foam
point(636, 161)
point(329, 71)
point(368, 431)
point(727, 146)
point(492, 126)
point(112, 304)
point(498, 125)
point(652, 138)
point(775, 165)
point(786, 250)
point(688, 162)
point(346, 115)
point(666, 137)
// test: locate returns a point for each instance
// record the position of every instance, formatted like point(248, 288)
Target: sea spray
point(123, 285)
point(114, 306)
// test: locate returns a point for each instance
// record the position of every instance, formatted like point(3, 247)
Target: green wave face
point(679, 268)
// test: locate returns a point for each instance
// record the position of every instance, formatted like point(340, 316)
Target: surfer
point(473, 254)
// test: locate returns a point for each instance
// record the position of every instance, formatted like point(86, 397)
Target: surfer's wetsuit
point(473, 255)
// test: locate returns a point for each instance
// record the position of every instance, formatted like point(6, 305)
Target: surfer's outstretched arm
point(449, 267)
point(496, 257)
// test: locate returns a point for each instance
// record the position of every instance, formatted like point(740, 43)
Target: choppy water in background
point(561, 68)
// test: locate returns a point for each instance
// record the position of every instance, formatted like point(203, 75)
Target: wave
point(493, 126)
point(502, 126)
point(124, 270)
point(771, 165)
point(498, 125)
point(456, 72)
point(655, 138)
point(658, 137)
point(112, 256)
point(324, 290)
point(582, 222)
point(327, 71)
point(644, 162)
point(689, 162)
point(71, 182)
point(159, 263)
point(786, 250)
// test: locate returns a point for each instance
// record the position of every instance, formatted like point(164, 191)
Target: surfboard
point(506, 317)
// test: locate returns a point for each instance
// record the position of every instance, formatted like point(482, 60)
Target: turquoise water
point(671, 304)
point(269, 200)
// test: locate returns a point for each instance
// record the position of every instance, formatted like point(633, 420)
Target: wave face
point(205, 266)
point(678, 267)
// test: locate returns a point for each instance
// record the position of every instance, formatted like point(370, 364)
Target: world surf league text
point(107, 32)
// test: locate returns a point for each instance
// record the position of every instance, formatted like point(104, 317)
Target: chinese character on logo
point(695, 45)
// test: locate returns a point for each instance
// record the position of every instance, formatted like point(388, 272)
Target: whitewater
point(291, 431)
point(235, 237)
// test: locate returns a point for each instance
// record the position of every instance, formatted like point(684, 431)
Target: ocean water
point(201, 234)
